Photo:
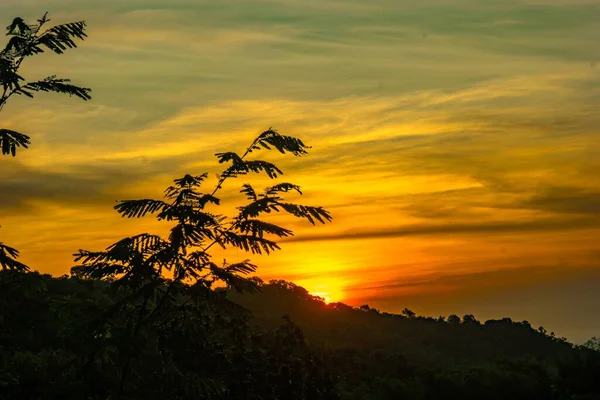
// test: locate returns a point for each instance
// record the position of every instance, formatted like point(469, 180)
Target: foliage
point(379, 355)
point(213, 349)
point(8, 259)
point(139, 266)
point(200, 350)
point(593, 344)
point(27, 40)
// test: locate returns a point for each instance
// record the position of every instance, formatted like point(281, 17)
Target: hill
point(57, 343)
point(408, 356)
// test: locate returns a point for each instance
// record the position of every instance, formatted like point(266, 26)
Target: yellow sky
point(456, 145)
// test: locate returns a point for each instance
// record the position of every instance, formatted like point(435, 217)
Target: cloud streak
point(441, 132)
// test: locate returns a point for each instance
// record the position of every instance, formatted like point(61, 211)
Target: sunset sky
point(456, 143)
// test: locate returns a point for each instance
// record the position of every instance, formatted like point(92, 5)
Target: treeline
point(280, 343)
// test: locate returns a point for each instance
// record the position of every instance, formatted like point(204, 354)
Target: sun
point(330, 290)
point(323, 295)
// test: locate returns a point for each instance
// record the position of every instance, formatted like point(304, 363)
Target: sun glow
point(329, 292)
point(322, 295)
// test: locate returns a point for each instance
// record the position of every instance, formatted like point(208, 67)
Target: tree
point(25, 41)
point(593, 344)
point(470, 319)
point(140, 264)
point(8, 259)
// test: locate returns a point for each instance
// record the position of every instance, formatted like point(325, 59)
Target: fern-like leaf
point(184, 235)
point(139, 208)
point(9, 78)
point(311, 214)
point(249, 192)
point(61, 37)
point(282, 187)
point(253, 244)
point(54, 84)
point(229, 156)
point(259, 228)
point(236, 282)
point(244, 167)
point(284, 144)
point(244, 267)
point(257, 207)
point(10, 140)
point(190, 180)
point(8, 259)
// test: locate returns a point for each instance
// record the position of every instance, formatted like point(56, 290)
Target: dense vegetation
point(153, 317)
point(216, 349)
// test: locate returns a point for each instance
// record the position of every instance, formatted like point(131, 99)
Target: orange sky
point(456, 145)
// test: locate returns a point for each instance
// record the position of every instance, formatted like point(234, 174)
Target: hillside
point(470, 359)
point(55, 342)
point(421, 339)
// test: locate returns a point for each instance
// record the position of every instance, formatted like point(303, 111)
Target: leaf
point(61, 37)
point(130, 257)
point(98, 270)
point(184, 235)
point(143, 244)
point(200, 257)
point(124, 250)
point(190, 198)
point(258, 228)
point(10, 140)
point(307, 212)
point(248, 191)
point(282, 187)
point(272, 138)
point(253, 244)
point(244, 167)
point(54, 84)
point(244, 267)
point(139, 208)
point(238, 283)
point(15, 47)
point(190, 181)
point(8, 259)
point(9, 78)
point(255, 208)
point(229, 156)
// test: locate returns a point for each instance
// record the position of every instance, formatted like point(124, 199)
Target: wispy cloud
point(442, 132)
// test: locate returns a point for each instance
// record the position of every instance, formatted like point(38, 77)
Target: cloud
point(523, 227)
point(566, 200)
point(440, 131)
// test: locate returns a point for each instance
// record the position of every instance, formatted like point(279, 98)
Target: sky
point(456, 143)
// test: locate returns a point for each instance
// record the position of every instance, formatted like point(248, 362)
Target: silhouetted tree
point(593, 344)
point(25, 41)
point(139, 263)
point(8, 259)
point(470, 319)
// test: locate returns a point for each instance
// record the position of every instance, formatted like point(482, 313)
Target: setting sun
point(322, 295)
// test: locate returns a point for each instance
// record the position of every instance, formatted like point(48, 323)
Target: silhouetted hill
point(419, 339)
point(58, 340)
point(387, 355)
